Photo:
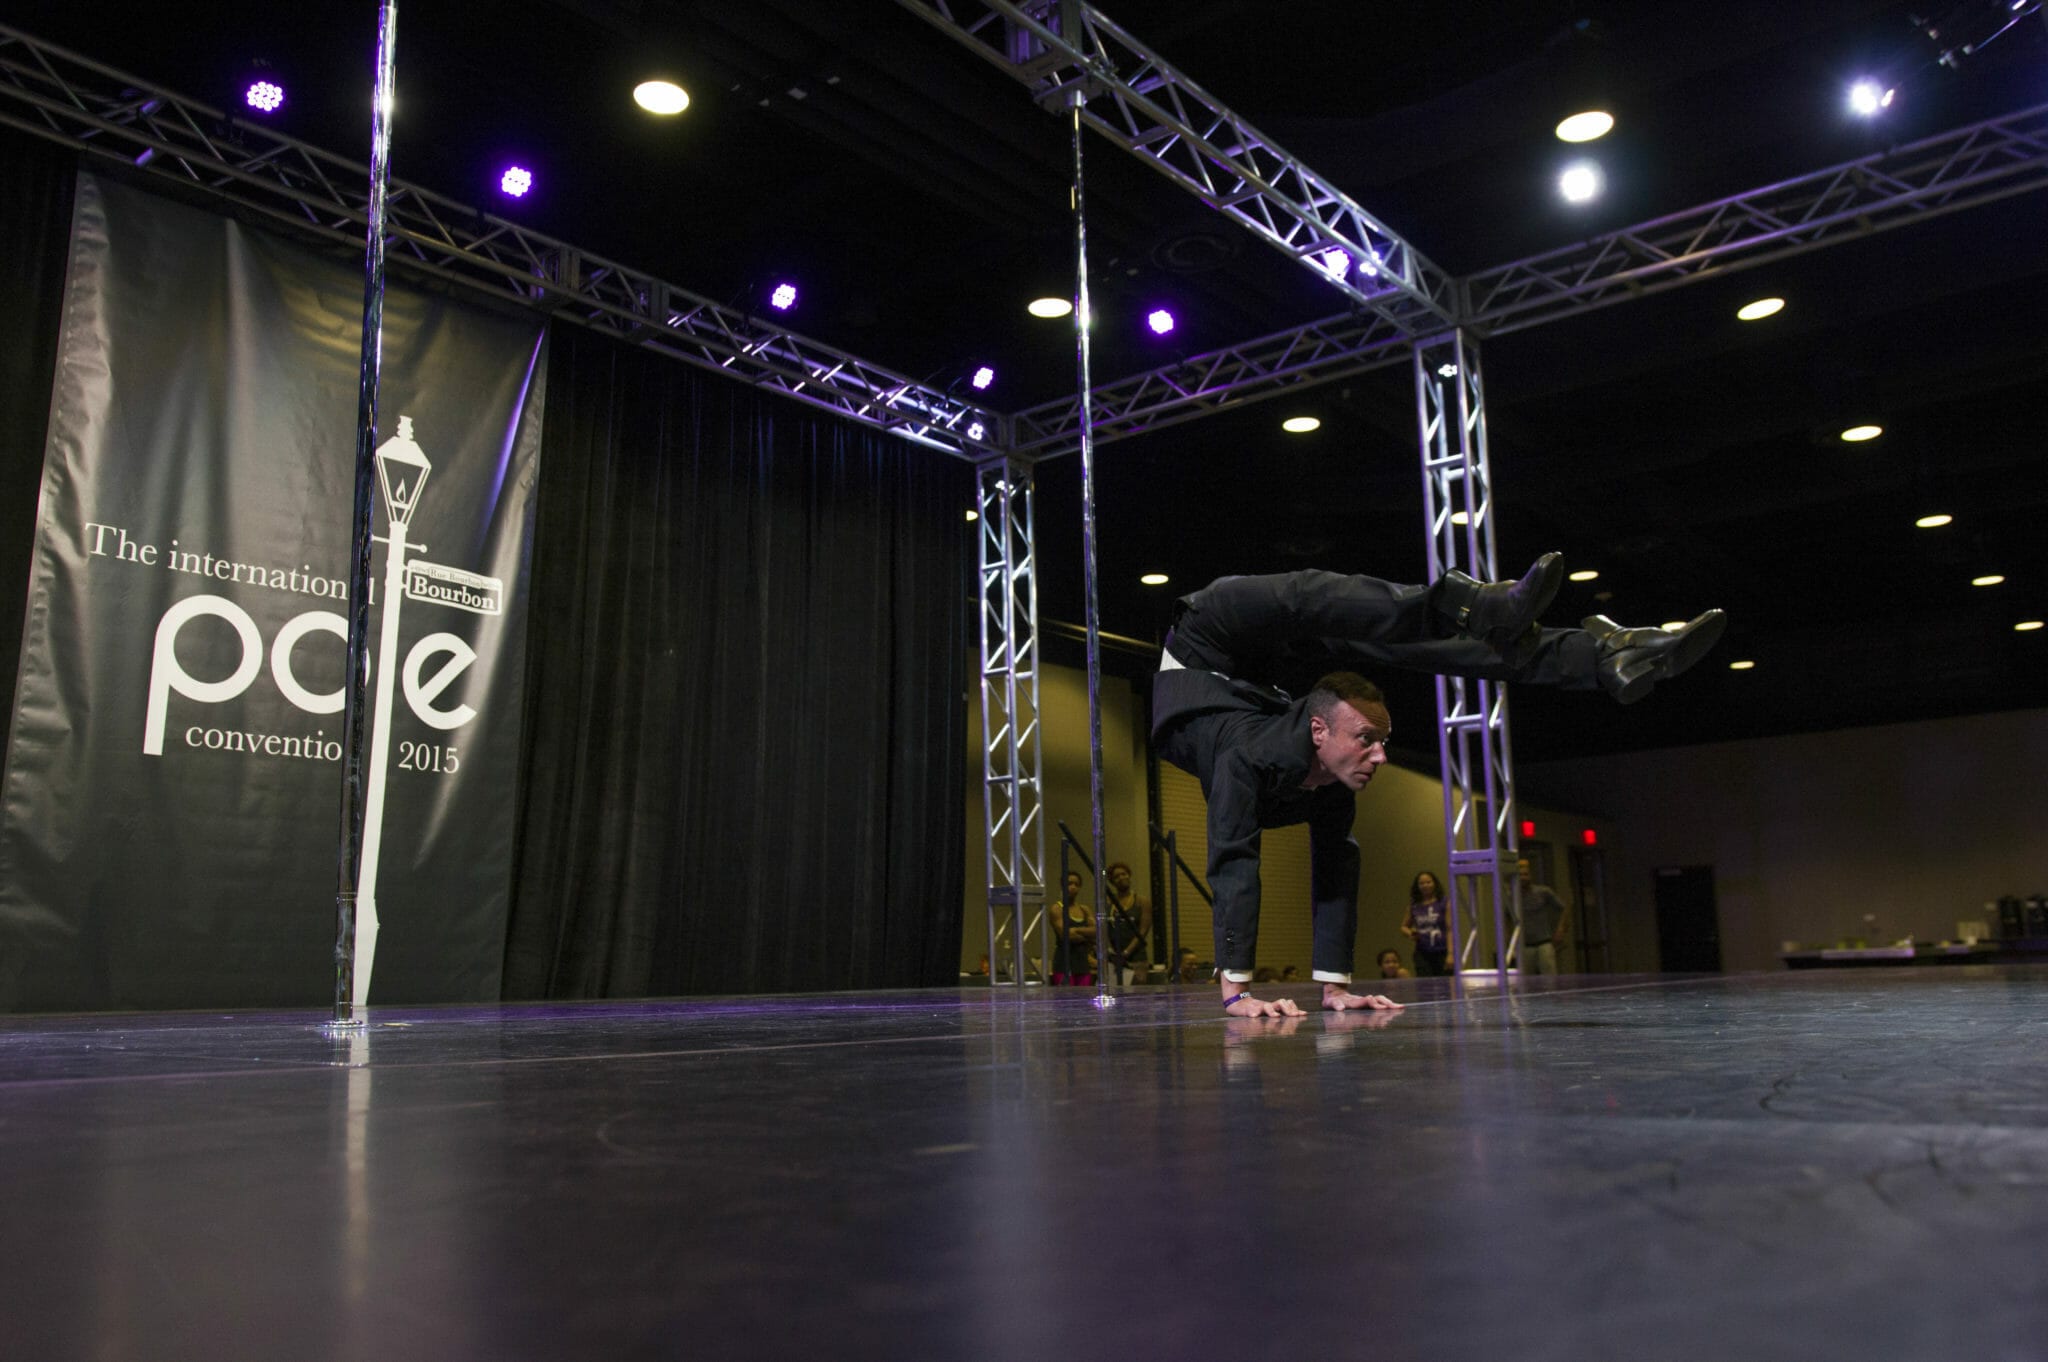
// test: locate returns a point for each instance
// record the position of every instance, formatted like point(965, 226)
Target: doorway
point(1688, 924)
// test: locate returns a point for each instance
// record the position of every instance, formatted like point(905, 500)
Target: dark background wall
point(1919, 824)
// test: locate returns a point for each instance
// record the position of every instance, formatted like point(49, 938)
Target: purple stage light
point(516, 181)
point(1160, 320)
point(265, 96)
point(976, 431)
point(1336, 261)
point(783, 298)
point(982, 378)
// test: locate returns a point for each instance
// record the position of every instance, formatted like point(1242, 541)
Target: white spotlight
point(1049, 307)
point(1869, 98)
point(1300, 425)
point(663, 97)
point(1586, 127)
point(1581, 182)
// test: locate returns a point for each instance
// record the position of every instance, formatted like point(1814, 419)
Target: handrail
point(1166, 839)
point(1175, 868)
point(1067, 839)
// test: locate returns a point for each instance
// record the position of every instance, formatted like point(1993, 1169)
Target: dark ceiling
point(1692, 459)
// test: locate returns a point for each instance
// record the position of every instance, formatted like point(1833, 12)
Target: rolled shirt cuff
point(1238, 976)
point(1329, 976)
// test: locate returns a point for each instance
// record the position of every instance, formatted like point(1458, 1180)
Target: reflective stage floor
point(1797, 1166)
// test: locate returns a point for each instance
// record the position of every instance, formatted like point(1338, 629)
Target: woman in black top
point(1428, 926)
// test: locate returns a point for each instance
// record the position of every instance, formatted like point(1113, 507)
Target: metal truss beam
point(1481, 837)
point(1136, 100)
point(1013, 801)
point(1964, 168)
point(72, 100)
point(1336, 347)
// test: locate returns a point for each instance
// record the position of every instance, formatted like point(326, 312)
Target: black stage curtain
point(35, 231)
point(745, 721)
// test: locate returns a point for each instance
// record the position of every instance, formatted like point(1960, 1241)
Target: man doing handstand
point(1266, 760)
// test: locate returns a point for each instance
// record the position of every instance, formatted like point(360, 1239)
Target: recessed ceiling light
point(1992, 580)
point(663, 97)
point(1743, 666)
point(1581, 182)
point(1870, 97)
point(1300, 425)
point(1049, 307)
point(1933, 522)
point(1585, 127)
point(1584, 575)
point(1856, 435)
point(2026, 626)
point(1155, 579)
point(1760, 309)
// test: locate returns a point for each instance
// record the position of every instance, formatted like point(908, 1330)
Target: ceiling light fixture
point(982, 378)
point(1160, 320)
point(2026, 626)
point(1994, 579)
point(1461, 518)
point(1760, 309)
point(1155, 579)
point(1049, 307)
point(1300, 425)
point(663, 97)
point(1743, 666)
point(783, 298)
point(1586, 127)
point(1869, 98)
point(1933, 522)
point(1856, 435)
point(1584, 575)
point(515, 182)
point(264, 96)
point(1581, 182)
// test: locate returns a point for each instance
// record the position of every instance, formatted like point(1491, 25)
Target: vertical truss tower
point(1012, 794)
point(1481, 839)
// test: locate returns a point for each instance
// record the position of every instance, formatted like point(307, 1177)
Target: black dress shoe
point(1501, 613)
point(1634, 660)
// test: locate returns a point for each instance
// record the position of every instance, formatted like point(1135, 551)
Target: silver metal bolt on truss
point(1012, 795)
point(1481, 838)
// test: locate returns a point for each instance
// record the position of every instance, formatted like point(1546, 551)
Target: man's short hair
point(1115, 866)
point(1342, 688)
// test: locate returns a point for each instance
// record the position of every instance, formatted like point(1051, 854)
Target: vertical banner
point(173, 782)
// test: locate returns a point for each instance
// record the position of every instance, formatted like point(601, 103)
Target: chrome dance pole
point(1103, 997)
point(351, 855)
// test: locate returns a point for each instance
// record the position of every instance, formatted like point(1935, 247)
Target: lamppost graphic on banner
point(402, 470)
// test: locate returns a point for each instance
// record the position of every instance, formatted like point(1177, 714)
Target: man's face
point(1353, 744)
point(1522, 870)
point(1120, 877)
